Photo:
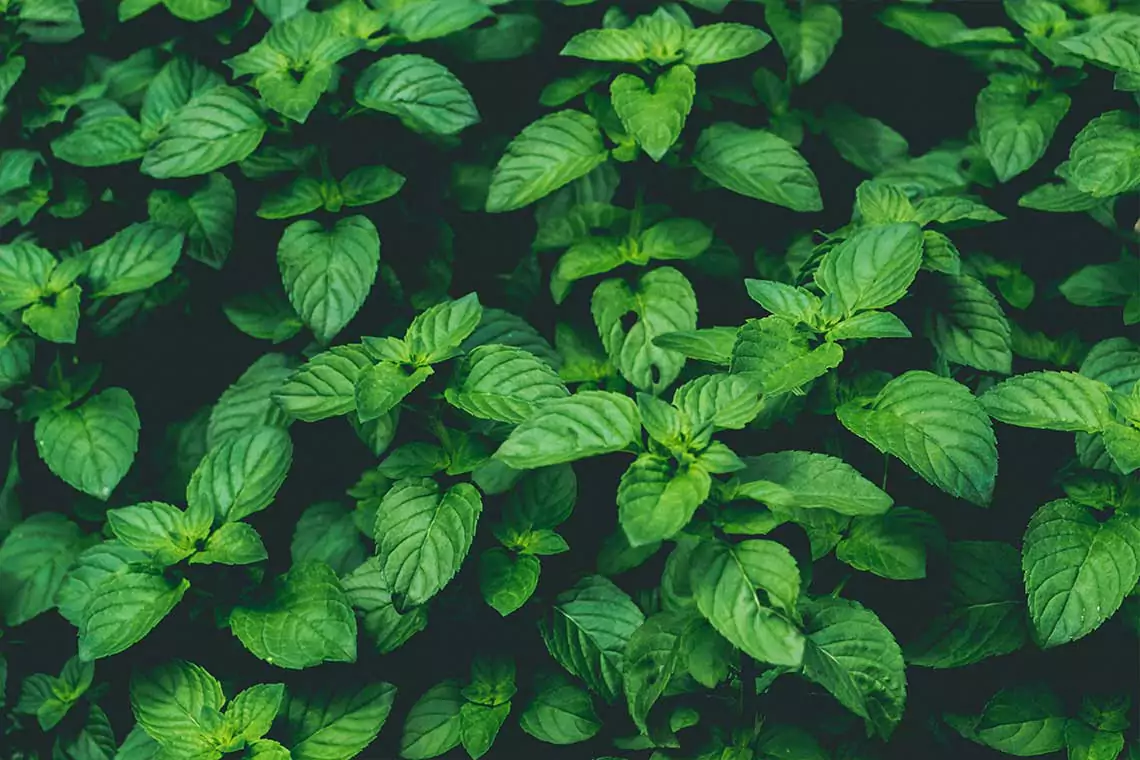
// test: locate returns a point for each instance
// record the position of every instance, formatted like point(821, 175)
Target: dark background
point(180, 358)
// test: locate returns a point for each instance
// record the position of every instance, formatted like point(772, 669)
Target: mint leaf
point(1077, 570)
point(422, 536)
point(804, 480)
point(807, 36)
point(973, 329)
point(34, 558)
point(133, 259)
point(936, 427)
point(432, 727)
point(328, 273)
point(1014, 131)
point(587, 632)
point(92, 446)
point(309, 621)
point(1051, 401)
point(655, 500)
point(873, 268)
point(217, 128)
point(552, 152)
point(325, 386)
point(336, 723)
point(757, 164)
point(655, 118)
point(423, 94)
point(371, 595)
point(560, 713)
point(589, 423)
point(241, 475)
point(503, 383)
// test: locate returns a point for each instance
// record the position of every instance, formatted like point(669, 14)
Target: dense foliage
point(554, 379)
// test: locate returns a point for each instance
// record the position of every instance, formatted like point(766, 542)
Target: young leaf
point(160, 530)
point(423, 536)
point(588, 630)
point(328, 274)
point(560, 713)
point(326, 385)
point(217, 128)
point(873, 268)
point(1077, 570)
point(92, 446)
point(503, 383)
point(507, 580)
point(1050, 401)
point(804, 480)
point(725, 581)
point(1014, 131)
point(241, 475)
point(176, 704)
point(717, 43)
point(309, 621)
point(335, 723)
point(552, 152)
point(853, 655)
point(663, 302)
point(479, 725)
point(133, 259)
point(655, 119)
point(423, 94)
point(757, 164)
point(1103, 160)
point(589, 423)
point(436, 333)
point(433, 724)
point(936, 427)
point(973, 330)
point(655, 501)
point(34, 558)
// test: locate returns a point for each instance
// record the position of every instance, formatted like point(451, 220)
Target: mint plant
point(703, 380)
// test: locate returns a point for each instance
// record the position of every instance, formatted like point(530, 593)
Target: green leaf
point(1104, 159)
point(423, 94)
point(655, 500)
point(206, 218)
point(971, 328)
point(433, 724)
point(380, 389)
point(551, 152)
point(241, 475)
point(429, 19)
point(326, 532)
point(436, 333)
point(725, 579)
point(804, 480)
point(92, 446)
point(676, 239)
point(309, 621)
point(587, 424)
point(371, 595)
point(794, 304)
point(655, 119)
point(251, 712)
point(777, 355)
point(1123, 444)
point(118, 605)
point(1014, 131)
point(24, 272)
point(985, 615)
point(1101, 284)
point(587, 632)
point(863, 141)
point(1023, 721)
point(178, 704)
point(34, 558)
point(941, 30)
point(159, 530)
point(1087, 743)
point(1058, 198)
point(507, 580)
point(1050, 401)
point(101, 142)
point(336, 723)
point(370, 184)
point(869, 324)
point(757, 164)
point(807, 35)
point(892, 545)
point(663, 301)
point(717, 43)
point(265, 315)
point(1077, 569)
point(267, 749)
point(853, 655)
point(873, 268)
point(133, 259)
point(936, 427)
point(1111, 39)
point(503, 383)
point(615, 45)
point(727, 402)
point(325, 386)
point(233, 543)
point(57, 322)
point(180, 82)
point(713, 344)
point(328, 274)
point(217, 128)
point(560, 713)
point(652, 656)
point(479, 725)
point(422, 536)
point(248, 403)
